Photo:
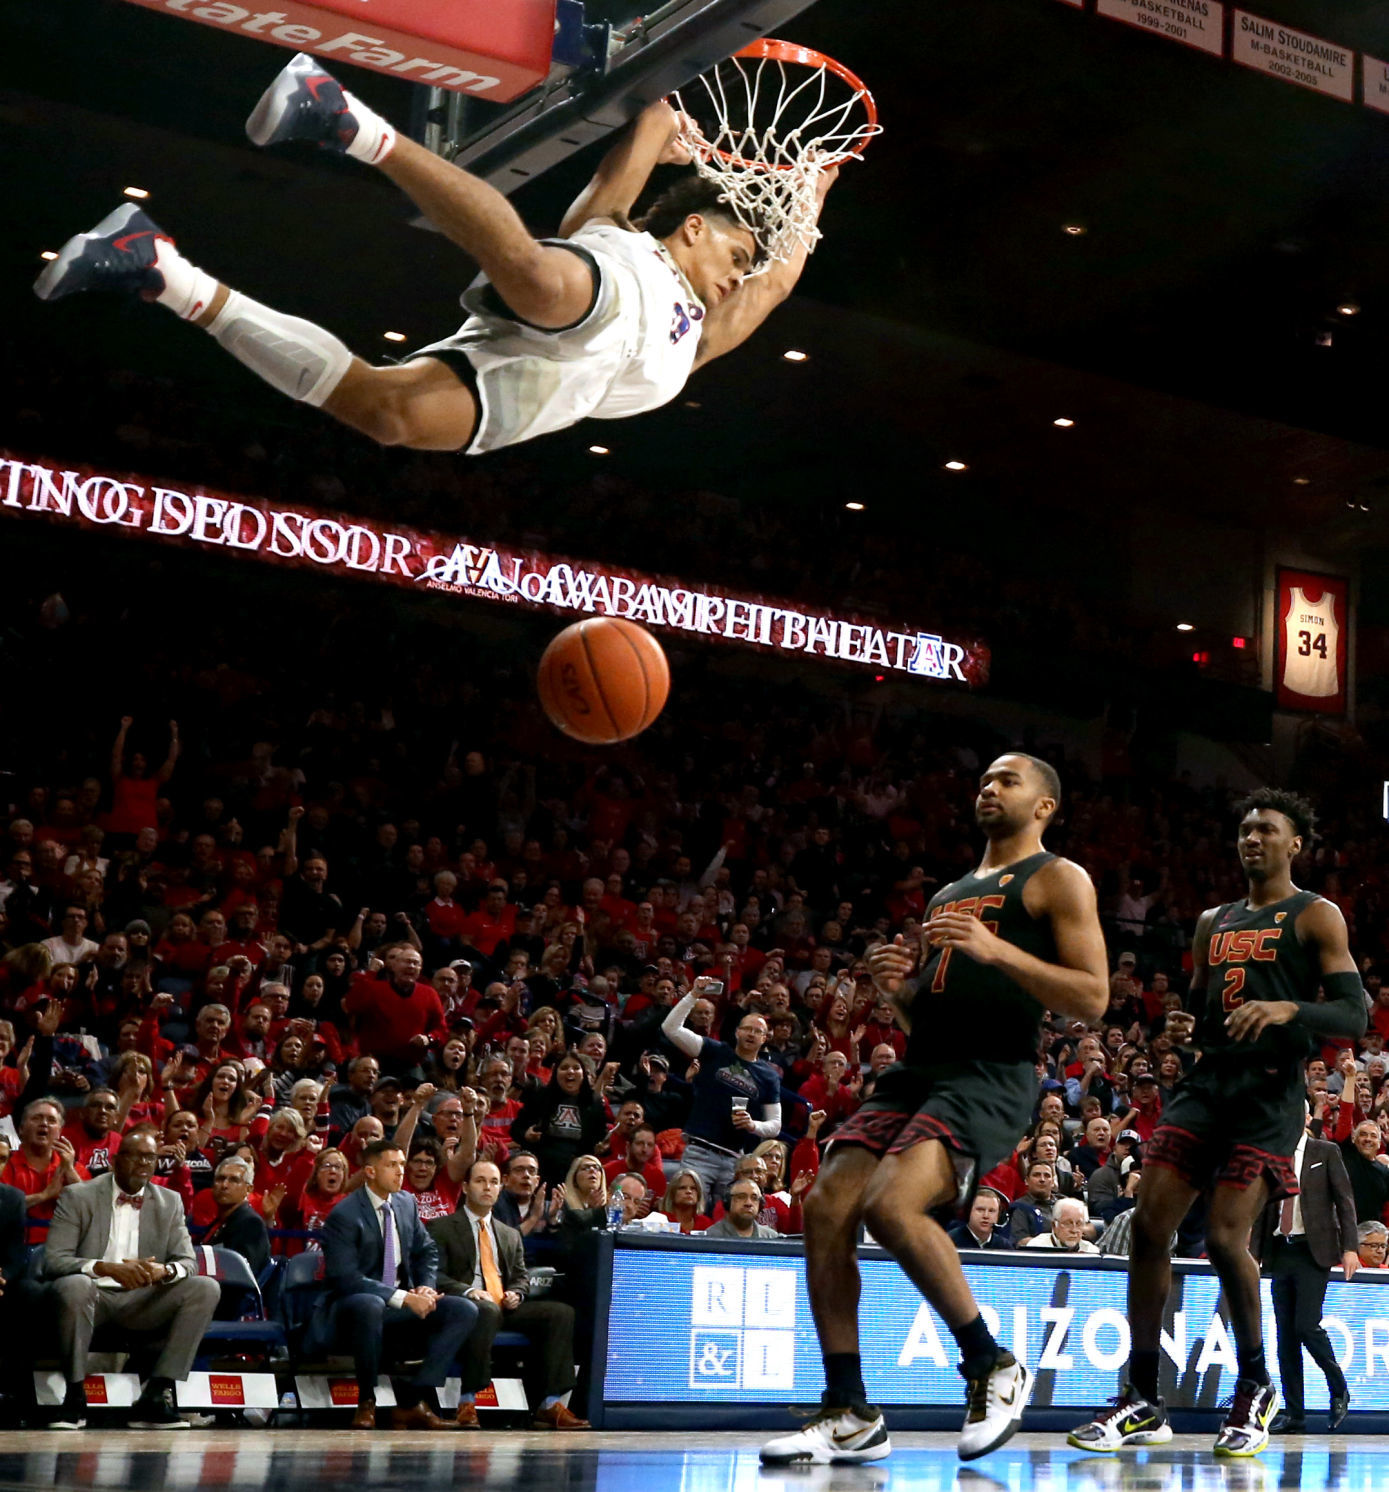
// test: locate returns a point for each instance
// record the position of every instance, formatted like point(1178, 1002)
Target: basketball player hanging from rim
point(605, 320)
point(1013, 938)
point(1233, 1123)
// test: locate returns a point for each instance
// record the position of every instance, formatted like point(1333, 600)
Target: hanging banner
point(1195, 23)
point(284, 533)
point(1293, 56)
point(1312, 623)
point(1374, 80)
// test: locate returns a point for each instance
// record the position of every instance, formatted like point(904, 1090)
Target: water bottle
point(614, 1217)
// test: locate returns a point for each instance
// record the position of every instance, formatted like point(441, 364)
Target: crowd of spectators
point(301, 922)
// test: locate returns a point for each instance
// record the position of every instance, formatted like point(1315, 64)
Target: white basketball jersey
point(632, 352)
point(1311, 635)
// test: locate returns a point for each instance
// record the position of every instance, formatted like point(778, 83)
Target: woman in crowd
point(448, 1068)
point(427, 1179)
point(684, 1203)
point(326, 1187)
point(284, 1161)
point(585, 1199)
point(145, 1107)
point(226, 1107)
point(563, 1120)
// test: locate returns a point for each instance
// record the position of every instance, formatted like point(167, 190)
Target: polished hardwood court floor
point(317, 1460)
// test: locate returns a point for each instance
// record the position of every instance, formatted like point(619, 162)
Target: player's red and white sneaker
point(305, 102)
point(994, 1406)
point(118, 254)
point(1246, 1428)
point(833, 1437)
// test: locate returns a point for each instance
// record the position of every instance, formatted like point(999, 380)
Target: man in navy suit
point(381, 1268)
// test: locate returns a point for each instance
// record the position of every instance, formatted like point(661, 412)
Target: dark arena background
point(1070, 441)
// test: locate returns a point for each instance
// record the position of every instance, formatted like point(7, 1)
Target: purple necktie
point(389, 1267)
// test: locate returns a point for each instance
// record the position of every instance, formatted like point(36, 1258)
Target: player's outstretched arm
point(649, 141)
point(1078, 984)
point(734, 320)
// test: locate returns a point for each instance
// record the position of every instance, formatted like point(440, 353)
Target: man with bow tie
point(118, 1254)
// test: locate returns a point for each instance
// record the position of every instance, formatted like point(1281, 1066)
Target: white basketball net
point(763, 134)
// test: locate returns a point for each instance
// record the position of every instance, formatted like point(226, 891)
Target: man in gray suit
point(482, 1259)
point(118, 1254)
point(1301, 1240)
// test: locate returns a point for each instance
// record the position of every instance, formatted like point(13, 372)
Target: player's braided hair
point(693, 194)
point(1298, 811)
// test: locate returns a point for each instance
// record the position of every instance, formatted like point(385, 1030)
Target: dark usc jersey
point(1255, 954)
point(967, 1009)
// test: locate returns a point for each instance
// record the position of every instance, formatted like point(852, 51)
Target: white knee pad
point(292, 355)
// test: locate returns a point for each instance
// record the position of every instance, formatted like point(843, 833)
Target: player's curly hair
point(1298, 811)
point(693, 194)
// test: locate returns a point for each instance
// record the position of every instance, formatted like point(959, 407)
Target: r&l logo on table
point(742, 1328)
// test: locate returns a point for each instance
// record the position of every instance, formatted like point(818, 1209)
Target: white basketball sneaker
point(994, 1406)
point(1246, 1428)
point(833, 1437)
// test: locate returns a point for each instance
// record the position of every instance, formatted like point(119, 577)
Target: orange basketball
point(603, 680)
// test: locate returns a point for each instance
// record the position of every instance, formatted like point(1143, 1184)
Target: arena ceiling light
point(794, 355)
point(139, 193)
point(1073, 230)
point(1185, 627)
point(1348, 308)
point(599, 451)
point(956, 466)
point(49, 254)
point(854, 507)
point(394, 336)
point(1063, 423)
point(1301, 481)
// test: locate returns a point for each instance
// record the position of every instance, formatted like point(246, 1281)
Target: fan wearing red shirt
point(641, 1159)
point(622, 911)
point(396, 1017)
point(445, 919)
point(494, 1128)
point(284, 1163)
point(43, 1164)
point(94, 1132)
point(494, 921)
point(832, 1089)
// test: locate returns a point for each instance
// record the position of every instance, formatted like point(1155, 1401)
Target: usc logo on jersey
point(1240, 947)
point(973, 906)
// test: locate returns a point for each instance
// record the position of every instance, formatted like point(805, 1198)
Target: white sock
point(188, 290)
point(375, 138)
point(292, 355)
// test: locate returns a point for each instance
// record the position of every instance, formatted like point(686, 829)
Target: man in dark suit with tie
point(1301, 1240)
point(381, 1268)
point(482, 1260)
point(118, 1254)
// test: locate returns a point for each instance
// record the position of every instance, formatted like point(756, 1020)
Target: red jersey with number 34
point(962, 1007)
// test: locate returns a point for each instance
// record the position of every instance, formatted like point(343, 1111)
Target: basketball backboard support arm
point(584, 100)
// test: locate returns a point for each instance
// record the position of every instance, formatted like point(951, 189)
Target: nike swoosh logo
point(1013, 1393)
point(123, 244)
point(846, 1439)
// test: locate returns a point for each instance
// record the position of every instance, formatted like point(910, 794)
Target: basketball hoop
point(771, 119)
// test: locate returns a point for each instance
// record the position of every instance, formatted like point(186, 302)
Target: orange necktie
point(491, 1279)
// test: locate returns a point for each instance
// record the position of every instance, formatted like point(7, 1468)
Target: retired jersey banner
point(1312, 623)
point(1195, 23)
point(291, 534)
point(1293, 56)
